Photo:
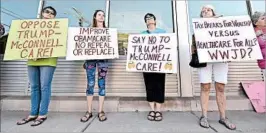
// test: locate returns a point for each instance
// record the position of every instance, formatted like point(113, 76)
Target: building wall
point(127, 16)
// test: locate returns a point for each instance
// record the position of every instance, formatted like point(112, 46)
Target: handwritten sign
point(36, 38)
point(92, 43)
point(152, 53)
point(226, 39)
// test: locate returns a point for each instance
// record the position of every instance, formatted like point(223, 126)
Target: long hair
point(94, 23)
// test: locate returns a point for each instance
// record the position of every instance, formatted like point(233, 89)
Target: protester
point(220, 71)
point(154, 82)
point(90, 66)
point(40, 73)
point(259, 22)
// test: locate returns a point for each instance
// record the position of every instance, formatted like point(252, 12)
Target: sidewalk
point(246, 121)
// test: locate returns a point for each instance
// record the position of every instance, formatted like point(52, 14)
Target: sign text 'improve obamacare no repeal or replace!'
point(226, 39)
point(36, 38)
point(152, 53)
point(92, 43)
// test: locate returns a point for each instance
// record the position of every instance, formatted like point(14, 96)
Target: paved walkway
point(246, 121)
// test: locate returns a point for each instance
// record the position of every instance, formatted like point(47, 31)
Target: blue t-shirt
point(157, 30)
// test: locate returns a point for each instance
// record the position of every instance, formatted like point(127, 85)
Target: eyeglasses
point(149, 18)
point(49, 12)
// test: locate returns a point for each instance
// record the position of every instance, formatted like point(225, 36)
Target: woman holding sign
point(259, 22)
point(40, 73)
point(90, 66)
point(220, 71)
point(154, 82)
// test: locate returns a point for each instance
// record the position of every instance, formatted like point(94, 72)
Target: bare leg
point(220, 99)
point(221, 102)
point(101, 115)
point(88, 114)
point(89, 101)
point(151, 114)
point(102, 72)
point(158, 107)
point(152, 105)
point(90, 72)
point(158, 114)
point(101, 102)
point(204, 98)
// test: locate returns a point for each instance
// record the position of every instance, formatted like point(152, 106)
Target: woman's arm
point(193, 46)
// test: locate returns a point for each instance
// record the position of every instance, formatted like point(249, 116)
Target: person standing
point(154, 82)
point(259, 22)
point(220, 71)
point(90, 67)
point(40, 73)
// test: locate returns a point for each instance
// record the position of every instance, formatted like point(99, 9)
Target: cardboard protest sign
point(226, 39)
point(256, 93)
point(92, 43)
point(152, 53)
point(36, 38)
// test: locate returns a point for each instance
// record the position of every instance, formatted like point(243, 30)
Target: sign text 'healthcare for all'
point(152, 53)
point(36, 38)
point(226, 39)
point(92, 43)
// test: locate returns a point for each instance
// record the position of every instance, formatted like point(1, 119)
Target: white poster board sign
point(152, 53)
point(92, 43)
point(226, 39)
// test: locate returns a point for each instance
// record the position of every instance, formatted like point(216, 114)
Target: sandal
point(227, 124)
point(102, 117)
point(151, 117)
point(26, 120)
point(38, 121)
point(204, 122)
point(158, 117)
point(86, 117)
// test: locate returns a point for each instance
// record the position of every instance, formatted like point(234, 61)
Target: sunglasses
point(49, 12)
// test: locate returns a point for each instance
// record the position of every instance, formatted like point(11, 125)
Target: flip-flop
point(227, 124)
point(38, 121)
point(26, 120)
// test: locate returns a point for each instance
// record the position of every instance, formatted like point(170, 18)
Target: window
point(14, 10)
point(128, 17)
point(71, 8)
point(258, 5)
